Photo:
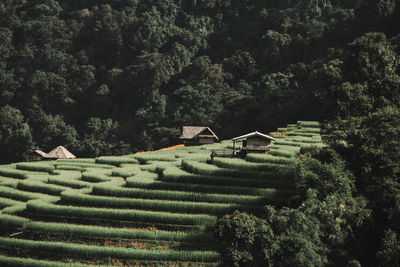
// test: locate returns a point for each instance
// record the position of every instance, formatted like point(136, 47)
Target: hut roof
point(253, 134)
point(59, 152)
point(190, 132)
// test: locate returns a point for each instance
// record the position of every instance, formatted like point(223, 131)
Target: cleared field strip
point(41, 207)
point(77, 250)
point(71, 197)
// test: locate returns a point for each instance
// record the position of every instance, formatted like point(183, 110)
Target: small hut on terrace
point(254, 142)
point(59, 152)
point(197, 135)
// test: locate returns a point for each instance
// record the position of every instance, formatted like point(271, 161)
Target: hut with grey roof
point(59, 152)
point(197, 135)
point(254, 142)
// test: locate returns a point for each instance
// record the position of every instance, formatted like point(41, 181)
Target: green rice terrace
point(145, 209)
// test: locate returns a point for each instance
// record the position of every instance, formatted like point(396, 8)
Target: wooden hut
point(59, 152)
point(197, 135)
point(254, 142)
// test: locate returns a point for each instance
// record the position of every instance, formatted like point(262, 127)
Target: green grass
point(7, 261)
point(240, 164)
point(152, 183)
point(77, 250)
point(265, 158)
point(96, 176)
point(117, 161)
point(36, 166)
point(213, 170)
point(179, 195)
point(40, 187)
point(38, 206)
point(180, 190)
point(70, 197)
point(310, 124)
point(13, 173)
point(16, 194)
point(6, 202)
point(82, 165)
point(104, 232)
point(174, 174)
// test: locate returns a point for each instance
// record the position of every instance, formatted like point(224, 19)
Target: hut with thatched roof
point(59, 152)
point(198, 135)
point(254, 142)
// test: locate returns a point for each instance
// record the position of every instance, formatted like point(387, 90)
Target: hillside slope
point(146, 209)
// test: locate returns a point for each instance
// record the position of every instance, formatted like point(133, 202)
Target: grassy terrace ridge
point(74, 212)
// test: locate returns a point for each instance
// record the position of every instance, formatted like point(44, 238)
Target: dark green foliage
point(390, 253)
point(105, 78)
point(284, 238)
point(15, 135)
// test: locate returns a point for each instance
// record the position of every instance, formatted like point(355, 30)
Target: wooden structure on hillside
point(254, 142)
point(197, 135)
point(59, 152)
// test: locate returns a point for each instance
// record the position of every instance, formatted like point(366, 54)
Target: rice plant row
point(95, 176)
point(240, 164)
point(125, 171)
point(71, 197)
point(213, 170)
point(310, 124)
point(117, 161)
point(201, 188)
point(103, 232)
point(174, 174)
point(8, 261)
point(6, 202)
point(265, 158)
point(38, 206)
point(16, 194)
point(181, 195)
point(68, 182)
point(10, 182)
point(77, 251)
point(13, 173)
point(40, 187)
point(83, 165)
point(36, 166)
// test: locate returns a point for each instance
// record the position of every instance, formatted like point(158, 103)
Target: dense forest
point(114, 77)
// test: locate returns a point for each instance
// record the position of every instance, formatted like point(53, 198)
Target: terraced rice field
point(147, 209)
